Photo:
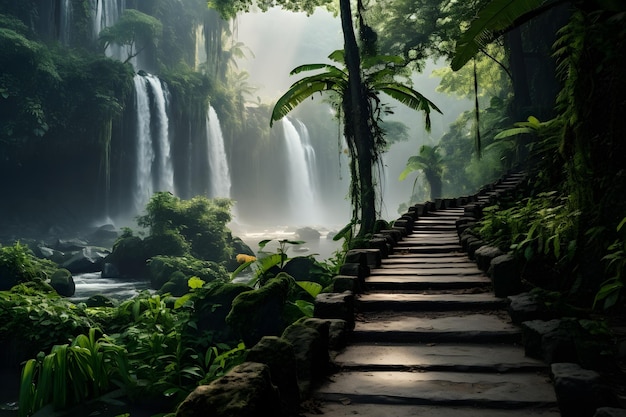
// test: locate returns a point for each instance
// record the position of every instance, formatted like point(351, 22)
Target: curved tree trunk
point(357, 128)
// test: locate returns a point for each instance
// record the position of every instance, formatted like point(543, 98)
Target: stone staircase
point(431, 339)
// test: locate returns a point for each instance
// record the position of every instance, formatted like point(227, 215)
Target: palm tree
point(430, 162)
point(361, 117)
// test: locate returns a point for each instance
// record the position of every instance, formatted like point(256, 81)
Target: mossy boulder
point(176, 285)
point(161, 269)
point(129, 257)
point(212, 307)
point(259, 312)
point(63, 282)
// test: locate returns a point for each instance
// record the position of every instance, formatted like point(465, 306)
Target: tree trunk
point(517, 64)
point(357, 106)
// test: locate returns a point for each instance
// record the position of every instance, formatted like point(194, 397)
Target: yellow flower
point(242, 258)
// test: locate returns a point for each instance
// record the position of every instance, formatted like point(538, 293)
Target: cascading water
point(66, 20)
point(106, 13)
point(302, 191)
point(218, 163)
point(154, 166)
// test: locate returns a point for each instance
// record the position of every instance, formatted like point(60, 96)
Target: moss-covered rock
point(161, 269)
point(176, 285)
point(259, 312)
point(63, 282)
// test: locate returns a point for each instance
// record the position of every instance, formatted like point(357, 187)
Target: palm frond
point(303, 89)
point(410, 98)
point(491, 22)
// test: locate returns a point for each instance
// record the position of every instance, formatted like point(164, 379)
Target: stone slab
point(441, 388)
point(438, 357)
point(435, 327)
point(416, 282)
point(346, 408)
point(431, 302)
point(421, 271)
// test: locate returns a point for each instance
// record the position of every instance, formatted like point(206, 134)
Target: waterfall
point(106, 13)
point(218, 163)
point(302, 191)
point(153, 164)
point(66, 21)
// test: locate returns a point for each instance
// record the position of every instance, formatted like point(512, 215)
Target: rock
point(63, 283)
point(70, 245)
point(307, 234)
point(578, 391)
point(299, 268)
point(335, 306)
point(350, 283)
point(245, 391)
point(279, 355)
point(356, 270)
point(312, 359)
point(505, 275)
point(259, 312)
point(176, 285)
point(338, 331)
point(472, 246)
point(524, 307)
point(104, 235)
point(109, 271)
point(53, 255)
point(89, 259)
point(532, 334)
point(485, 254)
point(212, 309)
point(99, 301)
point(610, 412)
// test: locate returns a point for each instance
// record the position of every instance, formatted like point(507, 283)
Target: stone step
point(434, 327)
point(500, 391)
point(444, 249)
point(399, 258)
point(417, 283)
point(433, 227)
point(437, 357)
point(425, 270)
point(344, 407)
point(428, 302)
point(417, 264)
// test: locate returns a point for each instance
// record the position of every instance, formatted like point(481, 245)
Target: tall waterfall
point(106, 13)
point(302, 188)
point(154, 170)
point(218, 163)
point(66, 21)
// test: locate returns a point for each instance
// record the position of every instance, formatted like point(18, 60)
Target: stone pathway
point(430, 339)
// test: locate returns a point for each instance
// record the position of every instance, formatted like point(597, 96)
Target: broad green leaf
point(195, 282)
point(313, 288)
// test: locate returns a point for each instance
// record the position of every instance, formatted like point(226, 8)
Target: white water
point(106, 13)
point(90, 284)
point(153, 165)
point(302, 192)
point(164, 172)
point(66, 21)
point(218, 162)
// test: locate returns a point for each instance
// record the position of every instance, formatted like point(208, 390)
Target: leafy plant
point(69, 374)
point(261, 266)
point(612, 289)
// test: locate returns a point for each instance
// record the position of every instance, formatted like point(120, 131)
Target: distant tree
point(430, 162)
point(135, 30)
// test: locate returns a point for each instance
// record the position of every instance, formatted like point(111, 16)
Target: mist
point(281, 40)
